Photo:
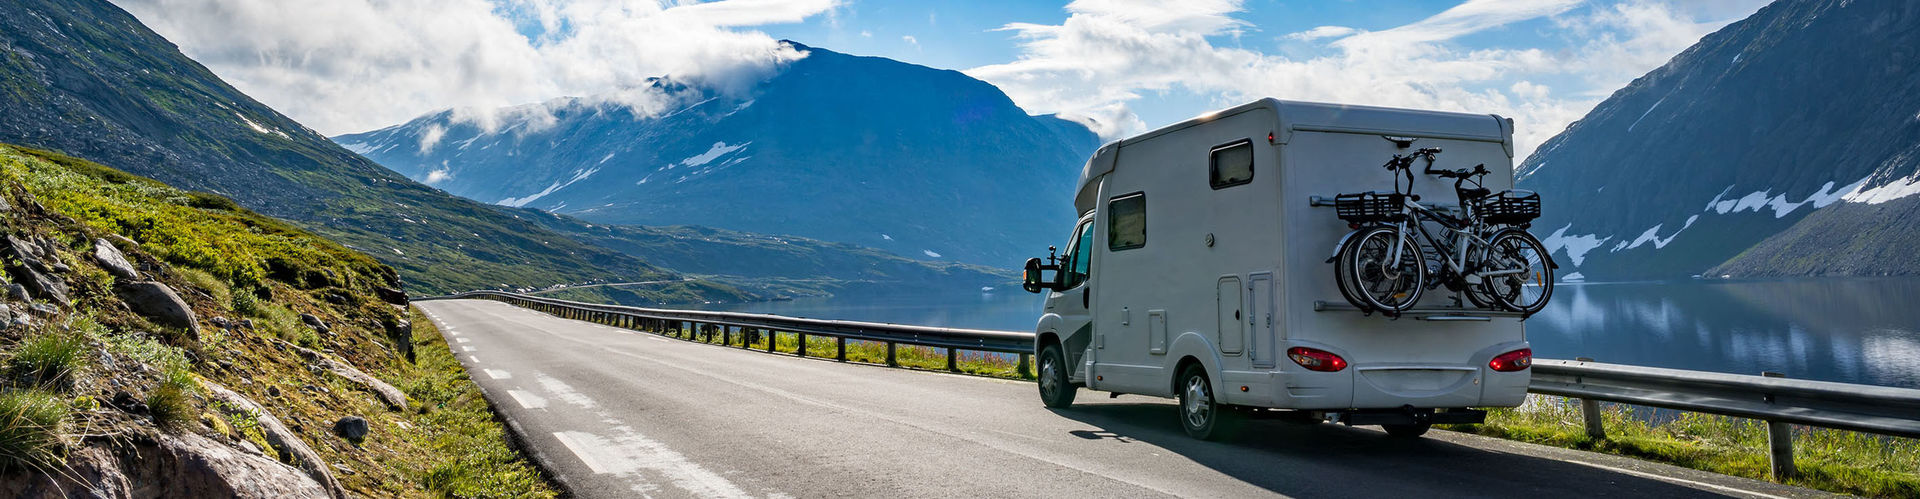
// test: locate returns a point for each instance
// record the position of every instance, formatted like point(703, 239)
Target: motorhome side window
point(1127, 222)
point(1079, 255)
point(1232, 164)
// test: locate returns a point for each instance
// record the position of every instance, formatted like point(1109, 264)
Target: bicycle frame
point(1455, 255)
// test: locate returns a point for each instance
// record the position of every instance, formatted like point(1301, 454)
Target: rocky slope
point(915, 161)
point(86, 78)
point(156, 342)
point(1787, 143)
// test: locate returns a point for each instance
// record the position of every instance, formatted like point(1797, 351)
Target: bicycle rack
point(1434, 314)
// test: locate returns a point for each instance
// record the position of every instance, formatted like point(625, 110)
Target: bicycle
point(1491, 259)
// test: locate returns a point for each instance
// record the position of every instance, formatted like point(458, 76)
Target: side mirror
point(1034, 278)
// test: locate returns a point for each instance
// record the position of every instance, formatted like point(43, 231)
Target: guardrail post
point(1025, 371)
point(952, 365)
point(1590, 411)
point(771, 335)
point(726, 336)
point(802, 349)
point(1780, 442)
point(840, 349)
point(890, 359)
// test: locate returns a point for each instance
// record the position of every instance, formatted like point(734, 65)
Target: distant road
point(582, 286)
point(617, 413)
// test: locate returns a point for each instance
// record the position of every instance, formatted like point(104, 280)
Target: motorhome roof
point(1324, 117)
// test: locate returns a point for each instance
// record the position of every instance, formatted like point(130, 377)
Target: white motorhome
point(1199, 270)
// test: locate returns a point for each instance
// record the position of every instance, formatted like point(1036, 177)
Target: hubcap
point(1199, 404)
point(1048, 371)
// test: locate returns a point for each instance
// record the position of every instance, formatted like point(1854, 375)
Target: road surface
point(619, 413)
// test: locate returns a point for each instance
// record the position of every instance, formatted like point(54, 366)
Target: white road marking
point(1682, 481)
point(474, 358)
point(564, 392)
point(466, 349)
point(527, 399)
point(630, 453)
point(656, 338)
point(461, 340)
point(498, 374)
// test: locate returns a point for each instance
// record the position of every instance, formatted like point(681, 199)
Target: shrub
point(48, 358)
point(169, 402)
point(32, 428)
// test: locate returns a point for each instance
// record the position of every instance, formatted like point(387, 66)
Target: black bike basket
point(1510, 207)
point(1371, 207)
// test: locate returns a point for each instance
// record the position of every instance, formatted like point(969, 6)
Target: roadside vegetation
point(1831, 460)
point(86, 382)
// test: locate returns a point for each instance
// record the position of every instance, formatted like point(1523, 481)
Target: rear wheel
point(1410, 430)
point(1055, 390)
point(1343, 273)
point(1528, 290)
point(1385, 283)
point(1200, 413)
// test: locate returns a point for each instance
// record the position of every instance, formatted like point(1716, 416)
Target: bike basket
point(1369, 207)
point(1512, 207)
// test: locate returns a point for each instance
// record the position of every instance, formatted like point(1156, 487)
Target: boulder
point(38, 283)
point(17, 292)
point(113, 261)
point(393, 397)
point(352, 428)
point(280, 437)
point(183, 465)
point(158, 302)
point(315, 323)
point(390, 295)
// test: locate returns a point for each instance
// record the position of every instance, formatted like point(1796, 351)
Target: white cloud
point(915, 42)
point(1110, 53)
point(351, 65)
point(438, 176)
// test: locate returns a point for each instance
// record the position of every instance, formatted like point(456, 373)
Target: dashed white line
point(498, 374)
point(466, 349)
point(474, 358)
point(461, 340)
point(527, 399)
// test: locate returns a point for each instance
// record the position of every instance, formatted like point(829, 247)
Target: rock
point(273, 391)
point(390, 295)
point(6, 316)
point(158, 302)
point(126, 402)
point(281, 438)
point(47, 247)
point(400, 332)
point(17, 292)
point(246, 323)
point(61, 268)
point(220, 322)
point(352, 428)
point(393, 397)
point(39, 283)
point(316, 323)
point(25, 251)
point(122, 240)
point(44, 309)
point(113, 261)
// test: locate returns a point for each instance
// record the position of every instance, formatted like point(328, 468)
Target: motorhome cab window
point(1079, 253)
point(1232, 164)
point(1127, 229)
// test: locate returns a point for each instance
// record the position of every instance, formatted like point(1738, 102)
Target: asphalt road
point(618, 413)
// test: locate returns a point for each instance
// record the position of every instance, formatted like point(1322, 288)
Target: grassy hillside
point(85, 78)
point(95, 385)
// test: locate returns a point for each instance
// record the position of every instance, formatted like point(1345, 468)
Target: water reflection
point(1848, 330)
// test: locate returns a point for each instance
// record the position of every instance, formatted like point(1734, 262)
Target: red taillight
point(1316, 360)
point(1517, 360)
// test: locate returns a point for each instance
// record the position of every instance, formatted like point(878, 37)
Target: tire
point(1343, 276)
point(1411, 430)
point(1055, 390)
point(1201, 414)
point(1390, 288)
point(1527, 292)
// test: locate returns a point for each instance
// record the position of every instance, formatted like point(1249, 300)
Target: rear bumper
point(1384, 386)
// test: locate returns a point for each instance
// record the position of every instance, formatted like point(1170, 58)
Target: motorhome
point(1198, 270)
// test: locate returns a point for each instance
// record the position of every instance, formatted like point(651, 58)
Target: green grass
point(1831, 460)
point(33, 425)
point(48, 358)
point(470, 452)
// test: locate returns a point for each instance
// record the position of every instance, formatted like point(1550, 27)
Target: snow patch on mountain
point(1656, 105)
point(1576, 246)
point(718, 149)
point(1652, 235)
point(1894, 190)
point(522, 201)
point(360, 148)
point(930, 253)
point(1781, 207)
point(258, 128)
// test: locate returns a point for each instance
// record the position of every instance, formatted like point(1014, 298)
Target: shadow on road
point(1327, 460)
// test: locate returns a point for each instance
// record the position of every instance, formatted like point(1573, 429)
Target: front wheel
point(1385, 283)
point(1529, 281)
point(1055, 390)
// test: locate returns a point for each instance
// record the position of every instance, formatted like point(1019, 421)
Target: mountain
point(921, 162)
point(1787, 143)
point(778, 266)
point(86, 78)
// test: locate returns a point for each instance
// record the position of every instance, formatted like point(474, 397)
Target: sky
point(1119, 66)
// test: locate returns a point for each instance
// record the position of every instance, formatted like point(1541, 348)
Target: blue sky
point(1120, 66)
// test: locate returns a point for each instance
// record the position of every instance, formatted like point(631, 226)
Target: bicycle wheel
point(1384, 283)
point(1526, 291)
point(1343, 273)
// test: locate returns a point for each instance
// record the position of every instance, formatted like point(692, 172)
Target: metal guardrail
point(1778, 401)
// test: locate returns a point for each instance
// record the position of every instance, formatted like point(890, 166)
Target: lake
point(1849, 330)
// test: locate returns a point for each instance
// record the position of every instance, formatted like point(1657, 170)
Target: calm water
point(1848, 330)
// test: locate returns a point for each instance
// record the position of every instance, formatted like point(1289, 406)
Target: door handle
point(1084, 303)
